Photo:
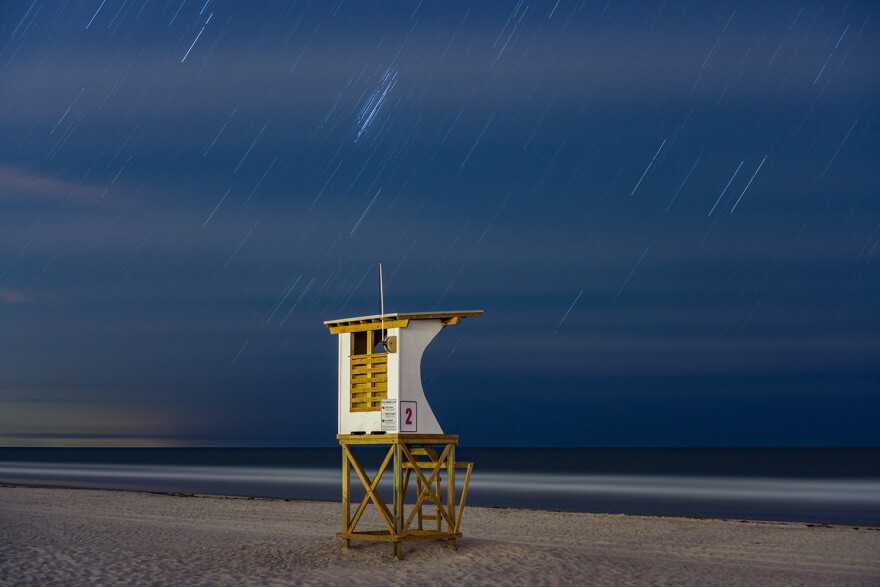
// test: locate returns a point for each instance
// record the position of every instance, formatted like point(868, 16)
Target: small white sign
point(388, 415)
point(409, 417)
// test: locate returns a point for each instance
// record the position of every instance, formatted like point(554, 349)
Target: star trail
point(670, 212)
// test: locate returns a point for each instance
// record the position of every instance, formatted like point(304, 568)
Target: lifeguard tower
point(382, 403)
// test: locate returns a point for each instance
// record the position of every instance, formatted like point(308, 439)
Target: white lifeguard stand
point(381, 402)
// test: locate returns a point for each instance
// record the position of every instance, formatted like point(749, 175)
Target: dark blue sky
point(669, 212)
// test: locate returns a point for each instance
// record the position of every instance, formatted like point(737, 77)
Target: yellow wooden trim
point(406, 481)
point(367, 378)
point(464, 490)
point(443, 315)
point(420, 518)
point(375, 368)
point(407, 437)
point(373, 391)
point(366, 500)
point(384, 536)
point(427, 492)
point(384, 513)
point(377, 358)
point(368, 368)
point(380, 356)
point(368, 381)
point(368, 392)
point(364, 401)
point(422, 465)
point(427, 489)
point(450, 487)
point(399, 499)
point(340, 325)
point(346, 496)
point(361, 390)
point(373, 407)
point(364, 326)
point(437, 516)
point(367, 403)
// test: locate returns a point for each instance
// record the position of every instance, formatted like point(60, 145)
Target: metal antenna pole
point(382, 302)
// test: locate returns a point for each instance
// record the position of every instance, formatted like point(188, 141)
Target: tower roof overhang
point(396, 320)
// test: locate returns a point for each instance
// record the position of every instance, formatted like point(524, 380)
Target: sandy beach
point(88, 537)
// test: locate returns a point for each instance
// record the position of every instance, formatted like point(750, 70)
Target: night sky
point(669, 211)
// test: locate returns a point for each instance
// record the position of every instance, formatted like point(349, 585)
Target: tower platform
point(433, 514)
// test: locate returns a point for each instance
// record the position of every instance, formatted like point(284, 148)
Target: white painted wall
point(411, 345)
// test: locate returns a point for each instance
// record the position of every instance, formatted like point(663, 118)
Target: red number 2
point(409, 416)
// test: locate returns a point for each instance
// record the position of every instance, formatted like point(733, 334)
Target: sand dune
point(86, 537)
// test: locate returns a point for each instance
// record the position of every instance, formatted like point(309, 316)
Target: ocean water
point(813, 485)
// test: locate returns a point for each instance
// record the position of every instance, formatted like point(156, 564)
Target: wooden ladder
point(426, 458)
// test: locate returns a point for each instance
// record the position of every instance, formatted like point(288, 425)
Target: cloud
point(9, 295)
point(22, 186)
point(40, 419)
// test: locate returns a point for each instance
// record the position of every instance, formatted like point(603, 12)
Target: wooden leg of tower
point(437, 513)
point(346, 498)
point(398, 502)
point(420, 515)
point(450, 489)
